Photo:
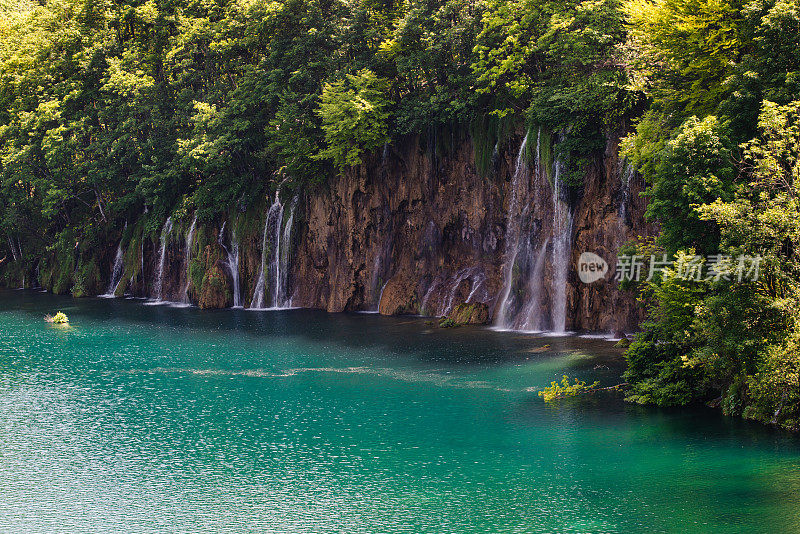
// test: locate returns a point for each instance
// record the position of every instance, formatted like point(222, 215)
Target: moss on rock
point(472, 313)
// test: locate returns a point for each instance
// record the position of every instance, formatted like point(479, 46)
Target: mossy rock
point(473, 313)
point(209, 284)
point(86, 279)
point(215, 291)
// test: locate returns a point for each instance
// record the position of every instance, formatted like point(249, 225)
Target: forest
point(115, 114)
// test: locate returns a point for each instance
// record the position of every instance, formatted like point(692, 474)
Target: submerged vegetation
point(116, 116)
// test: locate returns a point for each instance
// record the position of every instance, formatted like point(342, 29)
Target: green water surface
point(155, 419)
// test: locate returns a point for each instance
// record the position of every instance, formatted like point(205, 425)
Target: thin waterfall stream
point(187, 259)
point(232, 261)
point(116, 272)
point(162, 258)
point(512, 238)
point(272, 289)
point(562, 241)
point(531, 254)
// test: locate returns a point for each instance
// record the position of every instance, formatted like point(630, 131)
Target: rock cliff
point(413, 230)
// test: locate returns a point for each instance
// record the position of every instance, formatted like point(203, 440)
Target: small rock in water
point(473, 313)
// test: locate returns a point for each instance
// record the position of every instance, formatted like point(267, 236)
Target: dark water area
point(142, 418)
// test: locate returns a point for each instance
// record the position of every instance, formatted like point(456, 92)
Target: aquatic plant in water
point(565, 389)
point(59, 318)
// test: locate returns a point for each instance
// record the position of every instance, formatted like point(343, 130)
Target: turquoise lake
point(156, 419)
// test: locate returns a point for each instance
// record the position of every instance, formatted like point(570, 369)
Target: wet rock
point(473, 313)
point(399, 297)
point(216, 289)
point(428, 219)
point(417, 232)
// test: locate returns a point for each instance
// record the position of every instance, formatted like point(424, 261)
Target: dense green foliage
point(135, 110)
point(719, 146)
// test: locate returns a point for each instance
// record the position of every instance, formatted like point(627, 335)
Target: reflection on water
point(151, 419)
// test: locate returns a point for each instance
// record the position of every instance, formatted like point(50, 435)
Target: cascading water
point(521, 304)
point(272, 286)
point(282, 288)
point(116, 273)
point(512, 240)
point(562, 241)
point(627, 173)
point(188, 258)
point(162, 258)
point(533, 318)
point(447, 289)
point(232, 262)
point(271, 229)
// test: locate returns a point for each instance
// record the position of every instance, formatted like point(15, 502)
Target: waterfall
point(162, 258)
point(512, 239)
point(533, 313)
point(376, 263)
point(141, 261)
point(447, 288)
point(188, 258)
point(627, 173)
point(272, 287)
point(463, 274)
point(380, 297)
point(13, 250)
point(271, 228)
point(116, 273)
point(528, 252)
point(282, 288)
point(232, 261)
point(562, 241)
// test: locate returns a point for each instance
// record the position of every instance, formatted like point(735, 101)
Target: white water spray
point(271, 289)
point(521, 304)
point(162, 258)
point(116, 273)
point(512, 238)
point(562, 241)
point(232, 261)
point(188, 259)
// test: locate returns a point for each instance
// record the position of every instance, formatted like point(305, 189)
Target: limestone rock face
point(427, 232)
point(410, 215)
point(215, 291)
point(415, 230)
point(399, 297)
